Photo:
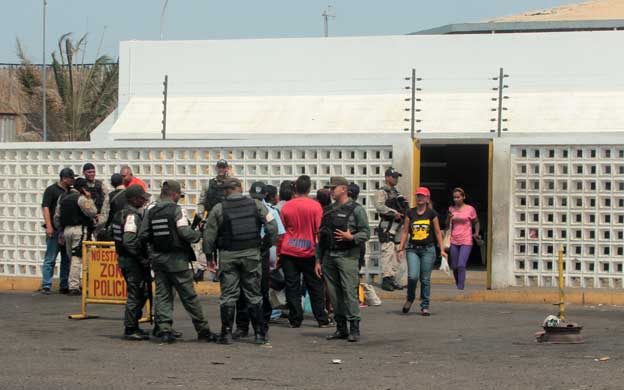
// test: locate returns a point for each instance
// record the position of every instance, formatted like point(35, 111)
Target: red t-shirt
point(302, 220)
point(136, 180)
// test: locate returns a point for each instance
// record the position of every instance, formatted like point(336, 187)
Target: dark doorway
point(444, 167)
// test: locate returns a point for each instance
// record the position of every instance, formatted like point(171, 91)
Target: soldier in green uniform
point(167, 232)
point(234, 227)
point(343, 228)
point(132, 258)
point(209, 198)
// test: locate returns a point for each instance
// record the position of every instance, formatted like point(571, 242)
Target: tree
point(83, 94)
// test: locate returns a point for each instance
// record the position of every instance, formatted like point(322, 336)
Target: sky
point(108, 22)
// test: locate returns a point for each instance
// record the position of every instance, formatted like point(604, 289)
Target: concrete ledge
point(443, 293)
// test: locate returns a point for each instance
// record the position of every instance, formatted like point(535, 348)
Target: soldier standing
point(99, 194)
point(132, 259)
point(234, 227)
point(168, 234)
point(391, 207)
point(210, 197)
point(76, 215)
point(343, 228)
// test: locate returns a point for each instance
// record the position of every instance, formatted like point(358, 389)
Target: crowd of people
point(318, 244)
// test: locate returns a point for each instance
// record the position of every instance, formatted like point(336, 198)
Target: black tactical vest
point(336, 218)
point(241, 225)
point(214, 195)
point(97, 194)
point(117, 201)
point(163, 229)
point(117, 230)
point(71, 215)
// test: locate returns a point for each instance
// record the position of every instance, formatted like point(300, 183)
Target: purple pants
point(459, 259)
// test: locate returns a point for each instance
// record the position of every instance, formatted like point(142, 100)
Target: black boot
point(354, 331)
point(386, 284)
point(240, 333)
point(227, 320)
point(341, 332)
point(167, 338)
point(207, 336)
point(256, 315)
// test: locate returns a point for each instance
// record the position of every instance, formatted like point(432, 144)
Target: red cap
point(423, 191)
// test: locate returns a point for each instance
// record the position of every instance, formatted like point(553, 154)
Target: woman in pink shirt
point(464, 225)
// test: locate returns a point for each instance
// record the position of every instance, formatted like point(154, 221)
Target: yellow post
point(85, 283)
point(488, 243)
point(561, 285)
point(415, 169)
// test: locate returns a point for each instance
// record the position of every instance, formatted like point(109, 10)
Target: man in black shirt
point(48, 207)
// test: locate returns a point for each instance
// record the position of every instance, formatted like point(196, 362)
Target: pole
point(500, 102)
point(326, 28)
point(561, 284)
point(43, 74)
point(162, 19)
point(164, 112)
point(413, 119)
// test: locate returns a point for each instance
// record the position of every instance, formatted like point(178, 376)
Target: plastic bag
point(370, 296)
point(444, 266)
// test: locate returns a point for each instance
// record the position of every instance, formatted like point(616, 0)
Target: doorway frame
point(417, 143)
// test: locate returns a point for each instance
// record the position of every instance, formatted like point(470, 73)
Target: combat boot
point(167, 338)
point(354, 331)
point(207, 336)
point(240, 333)
point(386, 284)
point(256, 315)
point(135, 334)
point(341, 332)
point(227, 320)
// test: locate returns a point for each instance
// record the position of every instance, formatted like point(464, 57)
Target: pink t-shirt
point(302, 220)
point(461, 224)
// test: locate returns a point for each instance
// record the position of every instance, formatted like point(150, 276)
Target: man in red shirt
point(302, 219)
point(129, 179)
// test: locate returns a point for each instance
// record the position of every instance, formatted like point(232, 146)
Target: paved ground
point(462, 346)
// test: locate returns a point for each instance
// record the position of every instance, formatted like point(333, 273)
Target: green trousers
point(134, 275)
point(183, 283)
point(240, 274)
point(343, 279)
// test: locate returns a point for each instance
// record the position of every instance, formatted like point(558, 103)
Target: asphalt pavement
point(462, 345)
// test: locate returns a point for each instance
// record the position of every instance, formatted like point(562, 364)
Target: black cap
point(88, 166)
point(392, 172)
point(67, 172)
point(222, 163)
point(257, 190)
point(116, 180)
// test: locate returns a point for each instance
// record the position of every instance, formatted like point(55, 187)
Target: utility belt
point(387, 230)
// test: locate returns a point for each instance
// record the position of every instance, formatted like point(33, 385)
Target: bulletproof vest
point(97, 194)
point(71, 215)
point(337, 218)
point(116, 201)
point(215, 194)
point(163, 229)
point(117, 229)
point(395, 202)
point(241, 225)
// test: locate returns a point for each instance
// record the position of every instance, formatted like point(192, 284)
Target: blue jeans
point(49, 260)
point(420, 262)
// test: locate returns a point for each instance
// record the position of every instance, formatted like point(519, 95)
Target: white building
point(278, 108)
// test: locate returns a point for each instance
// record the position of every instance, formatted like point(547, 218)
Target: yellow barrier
point(102, 280)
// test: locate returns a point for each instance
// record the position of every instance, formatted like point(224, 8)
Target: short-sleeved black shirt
point(50, 197)
point(421, 227)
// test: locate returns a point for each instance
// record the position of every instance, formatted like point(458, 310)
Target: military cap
point(173, 186)
point(232, 182)
point(67, 172)
point(222, 163)
point(393, 172)
point(136, 191)
point(338, 181)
